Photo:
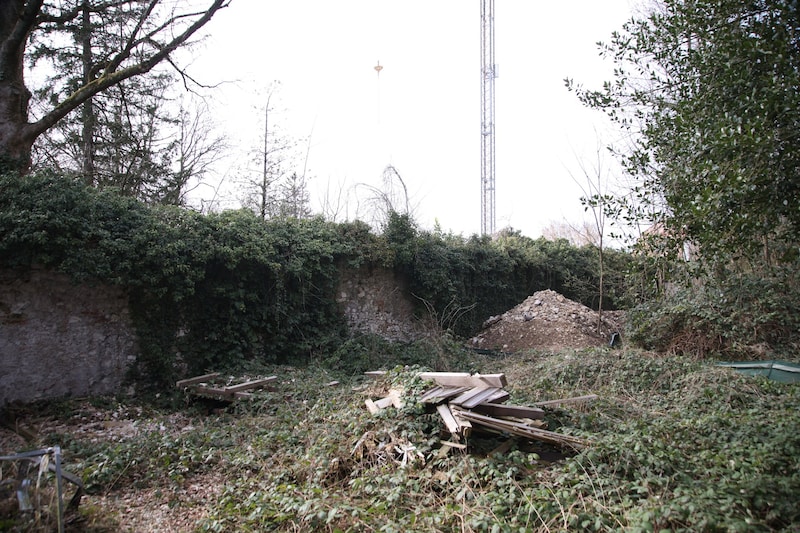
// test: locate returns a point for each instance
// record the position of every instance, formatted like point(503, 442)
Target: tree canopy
point(709, 90)
point(148, 32)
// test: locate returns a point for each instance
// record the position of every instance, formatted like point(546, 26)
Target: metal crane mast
point(488, 75)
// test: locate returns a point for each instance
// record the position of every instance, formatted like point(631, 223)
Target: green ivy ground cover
point(677, 445)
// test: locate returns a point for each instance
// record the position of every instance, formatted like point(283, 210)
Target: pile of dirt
point(547, 320)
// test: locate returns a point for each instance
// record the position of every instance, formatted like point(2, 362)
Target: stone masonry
point(61, 339)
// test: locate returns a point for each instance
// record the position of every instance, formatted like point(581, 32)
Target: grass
point(678, 444)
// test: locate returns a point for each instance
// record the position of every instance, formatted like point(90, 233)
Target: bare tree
point(596, 200)
point(198, 149)
point(272, 162)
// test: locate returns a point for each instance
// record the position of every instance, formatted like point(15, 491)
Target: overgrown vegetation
point(677, 444)
point(216, 291)
point(706, 95)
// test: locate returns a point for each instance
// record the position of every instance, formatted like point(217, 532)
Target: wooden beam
point(197, 379)
point(464, 379)
point(522, 430)
point(249, 384)
point(441, 393)
point(447, 417)
point(479, 398)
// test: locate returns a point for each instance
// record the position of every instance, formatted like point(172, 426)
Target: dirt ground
point(148, 510)
point(548, 321)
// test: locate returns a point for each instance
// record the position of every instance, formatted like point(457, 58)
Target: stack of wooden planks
point(466, 400)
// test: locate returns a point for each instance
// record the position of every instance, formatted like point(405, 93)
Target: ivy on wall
point(212, 291)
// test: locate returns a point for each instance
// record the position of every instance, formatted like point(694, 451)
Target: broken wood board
point(499, 397)
point(371, 407)
point(197, 379)
point(449, 420)
point(441, 393)
point(392, 399)
point(465, 379)
point(521, 430)
point(247, 385)
point(474, 396)
point(204, 386)
point(516, 411)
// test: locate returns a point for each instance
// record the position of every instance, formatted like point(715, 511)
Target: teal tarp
point(774, 370)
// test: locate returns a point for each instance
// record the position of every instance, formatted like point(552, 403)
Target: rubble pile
point(547, 320)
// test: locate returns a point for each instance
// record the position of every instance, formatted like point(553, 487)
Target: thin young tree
point(596, 200)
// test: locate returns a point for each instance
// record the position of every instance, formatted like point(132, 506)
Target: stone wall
point(59, 339)
point(376, 301)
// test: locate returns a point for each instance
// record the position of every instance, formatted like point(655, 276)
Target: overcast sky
point(422, 113)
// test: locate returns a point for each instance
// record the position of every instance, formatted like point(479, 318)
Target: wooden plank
point(440, 393)
point(431, 395)
point(375, 374)
point(523, 430)
point(502, 448)
point(249, 384)
point(448, 418)
point(397, 402)
point(197, 379)
point(491, 380)
point(464, 425)
point(466, 396)
point(448, 379)
point(516, 411)
point(499, 397)
point(452, 444)
point(212, 392)
point(576, 399)
point(374, 409)
point(479, 398)
point(383, 403)
point(464, 379)
point(331, 384)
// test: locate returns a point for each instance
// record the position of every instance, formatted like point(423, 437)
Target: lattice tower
point(488, 75)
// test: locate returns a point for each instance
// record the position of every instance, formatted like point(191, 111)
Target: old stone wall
point(376, 301)
point(60, 339)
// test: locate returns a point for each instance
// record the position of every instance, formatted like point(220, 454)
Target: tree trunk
point(15, 142)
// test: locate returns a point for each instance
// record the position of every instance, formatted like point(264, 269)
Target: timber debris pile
point(474, 402)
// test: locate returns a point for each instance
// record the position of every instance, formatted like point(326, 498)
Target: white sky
point(422, 114)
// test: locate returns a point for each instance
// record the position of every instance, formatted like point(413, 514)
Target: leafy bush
point(741, 315)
